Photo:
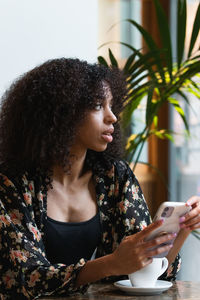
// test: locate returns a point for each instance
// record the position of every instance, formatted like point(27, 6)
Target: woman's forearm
point(131, 255)
point(95, 270)
point(179, 241)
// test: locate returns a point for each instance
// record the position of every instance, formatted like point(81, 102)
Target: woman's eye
point(98, 106)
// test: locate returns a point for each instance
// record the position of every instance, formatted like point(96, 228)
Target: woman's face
point(95, 131)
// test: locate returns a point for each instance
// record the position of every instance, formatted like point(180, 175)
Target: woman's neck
point(76, 171)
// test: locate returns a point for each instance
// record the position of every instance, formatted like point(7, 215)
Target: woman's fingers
point(192, 222)
point(160, 240)
point(146, 231)
point(147, 249)
point(193, 227)
point(193, 200)
point(193, 217)
point(158, 245)
point(159, 250)
point(134, 252)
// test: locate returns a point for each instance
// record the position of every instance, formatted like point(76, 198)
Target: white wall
point(32, 31)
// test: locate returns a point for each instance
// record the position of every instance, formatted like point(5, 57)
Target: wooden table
point(181, 290)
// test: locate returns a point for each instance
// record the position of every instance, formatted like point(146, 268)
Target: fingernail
point(182, 219)
point(161, 220)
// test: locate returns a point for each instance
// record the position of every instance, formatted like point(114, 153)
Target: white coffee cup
point(147, 276)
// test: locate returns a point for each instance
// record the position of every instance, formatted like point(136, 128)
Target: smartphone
point(171, 213)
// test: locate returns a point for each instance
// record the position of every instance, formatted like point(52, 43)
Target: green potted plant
point(158, 78)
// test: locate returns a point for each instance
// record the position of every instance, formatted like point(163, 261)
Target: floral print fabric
point(25, 272)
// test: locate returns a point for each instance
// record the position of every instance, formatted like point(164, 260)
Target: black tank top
point(68, 242)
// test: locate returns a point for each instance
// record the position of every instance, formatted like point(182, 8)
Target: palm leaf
point(112, 59)
point(129, 62)
point(164, 34)
point(149, 107)
point(138, 79)
point(181, 30)
point(195, 31)
point(137, 91)
point(184, 96)
point(129, 109)
point(147, 37)
point(151, 45)
point(148, 60)
point(102, 61)
point(180, 111)
point(181, 78)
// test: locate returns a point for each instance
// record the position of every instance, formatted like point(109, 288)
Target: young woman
point(65, 194)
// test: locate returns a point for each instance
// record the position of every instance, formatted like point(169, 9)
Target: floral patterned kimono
point(25, 272)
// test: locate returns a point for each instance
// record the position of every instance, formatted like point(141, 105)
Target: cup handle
point(164, 265)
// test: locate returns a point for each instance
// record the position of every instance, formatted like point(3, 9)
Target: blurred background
point(33, 31)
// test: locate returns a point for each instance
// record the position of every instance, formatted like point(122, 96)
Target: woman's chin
point(99, 148)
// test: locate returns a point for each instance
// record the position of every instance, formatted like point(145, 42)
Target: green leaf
point(129, 62)
point(147, 37)
point(185, 97)
point(149, 107)
point(102, 61)
point(159, 135)
point(138, 79)
point(147, 61)
point(195, 85)
point(181, 30)
point(188, 73)
point(195, 31)
point(129, 109)
point(193, 92)
point(194, 88)
point(137, 91)
point(164, 34)
point(155, 121)
point(112, 59)
point(151, 45)
point(132, 48)
point(181, 113)
point(169, 137)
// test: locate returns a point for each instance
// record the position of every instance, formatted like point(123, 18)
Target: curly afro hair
point(41, 110)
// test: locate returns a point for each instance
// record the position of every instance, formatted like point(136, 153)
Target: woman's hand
point(135, 253)
point(191, 220)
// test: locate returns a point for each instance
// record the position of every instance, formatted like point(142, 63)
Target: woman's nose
point(110, 116)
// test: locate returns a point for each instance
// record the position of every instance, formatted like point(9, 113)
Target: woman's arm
point(25, 270)
point(135, 215)
point(132, 254)
point(178, 243)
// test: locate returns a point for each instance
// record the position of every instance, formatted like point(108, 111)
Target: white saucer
point(160, 286)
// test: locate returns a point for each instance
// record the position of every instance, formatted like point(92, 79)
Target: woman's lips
point(107, 137)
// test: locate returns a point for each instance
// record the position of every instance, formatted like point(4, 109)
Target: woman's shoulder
point(120, 169)
point(9, 179)
point(121, 164)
